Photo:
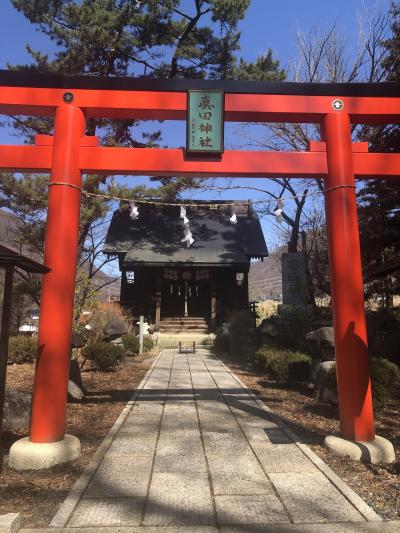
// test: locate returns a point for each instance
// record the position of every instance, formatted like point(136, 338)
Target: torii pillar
point(48, 444)
point(351, 344)
point(354, 384)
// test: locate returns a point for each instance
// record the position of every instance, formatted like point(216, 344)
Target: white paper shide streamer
point(187, 234)
point(278, 210)
point(233, 218)
point(134, 214)
point(183, 215)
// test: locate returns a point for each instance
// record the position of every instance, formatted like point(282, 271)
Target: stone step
point(183, 319)
point(175, 329)
point(184, 322)
point(171, 339)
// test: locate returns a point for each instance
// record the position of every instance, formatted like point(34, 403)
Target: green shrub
point(385, 378)
point(284, 365)
point(222, 343)
point(104, 354)
point(148, 343)
point(240, 334)
point(384, 334)
point(131, 344)
point(387, 346)
point(293, 335)
point(22, 349)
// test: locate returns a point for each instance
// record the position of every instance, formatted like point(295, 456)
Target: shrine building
point(170, 283)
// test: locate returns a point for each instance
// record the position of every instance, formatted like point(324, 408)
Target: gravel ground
point(38, 494)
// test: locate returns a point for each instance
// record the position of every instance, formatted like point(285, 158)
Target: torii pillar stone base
point(378, 450)
point(27, 455)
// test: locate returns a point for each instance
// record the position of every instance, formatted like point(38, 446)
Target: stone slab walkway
point(197, 452)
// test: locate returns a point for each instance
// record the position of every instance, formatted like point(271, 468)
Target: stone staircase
point(184, 340)
point(190, 324)
point(175, 331)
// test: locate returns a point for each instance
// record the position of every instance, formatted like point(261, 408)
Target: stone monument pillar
point(294, 284)
point(294, 281)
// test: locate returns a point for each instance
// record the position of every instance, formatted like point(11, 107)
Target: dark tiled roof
point(11, 233)
point(155, 237)
point(11, 257)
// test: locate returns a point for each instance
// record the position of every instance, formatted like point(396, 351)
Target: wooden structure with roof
point(9, 260)
point(172, 285)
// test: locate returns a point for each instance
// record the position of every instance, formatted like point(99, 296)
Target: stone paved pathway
point(198, 450)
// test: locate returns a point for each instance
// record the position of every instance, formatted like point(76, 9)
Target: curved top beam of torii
point(148, 98)
point(27, 93)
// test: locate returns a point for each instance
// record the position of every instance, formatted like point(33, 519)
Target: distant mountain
point(265, 278)
point(110, 288)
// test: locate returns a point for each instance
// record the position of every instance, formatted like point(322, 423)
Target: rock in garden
point(75, 374)
point(323, 341)
point(324, 380)
point(114, 328)
point(74, 392)
point(17, 410)
point(77, 340)
point(267, 327)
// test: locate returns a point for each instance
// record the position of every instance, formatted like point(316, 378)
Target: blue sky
point(268, 24)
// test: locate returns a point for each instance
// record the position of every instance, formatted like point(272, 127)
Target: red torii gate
point(69, 153)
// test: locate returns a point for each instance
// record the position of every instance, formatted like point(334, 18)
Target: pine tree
point(265, 68)
point(153, 38)
point(379, 211)
point(156, 38)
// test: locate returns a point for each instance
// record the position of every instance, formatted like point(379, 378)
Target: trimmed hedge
point(22, 349)
point(148, 343)
point(241, 337)
point(284, 365)
point(385, 378)
point(104, 354)
point(222, 343)
point(240, 342)
point(131, 344)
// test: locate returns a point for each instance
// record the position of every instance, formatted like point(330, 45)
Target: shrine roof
point(155, 237)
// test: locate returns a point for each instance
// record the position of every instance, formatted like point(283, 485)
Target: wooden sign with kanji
point(205, 122)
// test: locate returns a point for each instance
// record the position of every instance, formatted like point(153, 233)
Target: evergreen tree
point(265, 68)
point(379, 211)
point(118, 38)
point(153, 38)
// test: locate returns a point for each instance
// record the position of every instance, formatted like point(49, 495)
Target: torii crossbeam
point(69, 153)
